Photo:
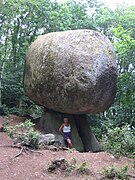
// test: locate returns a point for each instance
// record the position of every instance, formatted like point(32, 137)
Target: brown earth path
point(33, 166)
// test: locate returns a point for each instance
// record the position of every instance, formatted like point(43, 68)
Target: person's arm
point(61, 129)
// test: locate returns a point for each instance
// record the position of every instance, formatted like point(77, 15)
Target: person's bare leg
point(69, 143)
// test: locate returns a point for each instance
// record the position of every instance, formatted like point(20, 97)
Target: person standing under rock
point(65, 130)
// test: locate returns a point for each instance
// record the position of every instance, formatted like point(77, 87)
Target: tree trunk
point(1, 75)
point(3, 66)
point(82, 138)
point(0, 91)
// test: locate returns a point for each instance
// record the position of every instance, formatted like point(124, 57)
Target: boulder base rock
point(72, 72)
point(51, 121)
point(47, 139)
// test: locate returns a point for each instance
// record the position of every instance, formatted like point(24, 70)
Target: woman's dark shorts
point(67, 135)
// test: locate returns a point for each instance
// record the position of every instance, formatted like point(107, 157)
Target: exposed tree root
point(33, 151)
point(22, 149)
point(26, 149)
point(17, 155)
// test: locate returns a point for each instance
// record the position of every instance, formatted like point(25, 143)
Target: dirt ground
point(33, 166)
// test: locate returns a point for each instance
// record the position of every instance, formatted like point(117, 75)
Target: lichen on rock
point(72, 72)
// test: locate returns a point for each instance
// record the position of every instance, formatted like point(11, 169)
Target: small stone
point(112, 156)
point(47, 139)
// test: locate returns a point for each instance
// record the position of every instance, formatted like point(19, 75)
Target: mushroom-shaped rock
point(71, 72)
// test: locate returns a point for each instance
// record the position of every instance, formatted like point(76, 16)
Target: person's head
point(66, 121)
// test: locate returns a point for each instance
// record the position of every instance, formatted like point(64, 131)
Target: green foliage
point(3, 110)
point(125, 99)
point(24, 134)
point(115, 172)
point(118, 26)
point(120, 141)
point(83, 169)
point(98, 124)
point(71, 166)
point(13, 110)
point(123, 15)
point(64, 166)
point(27, 107)
point(20, 23)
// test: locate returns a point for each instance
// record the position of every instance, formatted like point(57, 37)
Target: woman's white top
point(66, 129)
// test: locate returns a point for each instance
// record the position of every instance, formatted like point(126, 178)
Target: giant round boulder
point(72, 72)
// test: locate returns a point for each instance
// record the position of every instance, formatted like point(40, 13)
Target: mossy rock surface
point(72, 72)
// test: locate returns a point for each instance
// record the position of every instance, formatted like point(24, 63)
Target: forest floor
point(33, 166)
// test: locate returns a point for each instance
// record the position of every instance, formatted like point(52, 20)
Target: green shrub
point(13, 110)
point(27, 107)
point(3, 110)
point(97, 132)
point(83, 169)
point(120, 141)
point(24, 134)
point(62, 165)
point(114, 172)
